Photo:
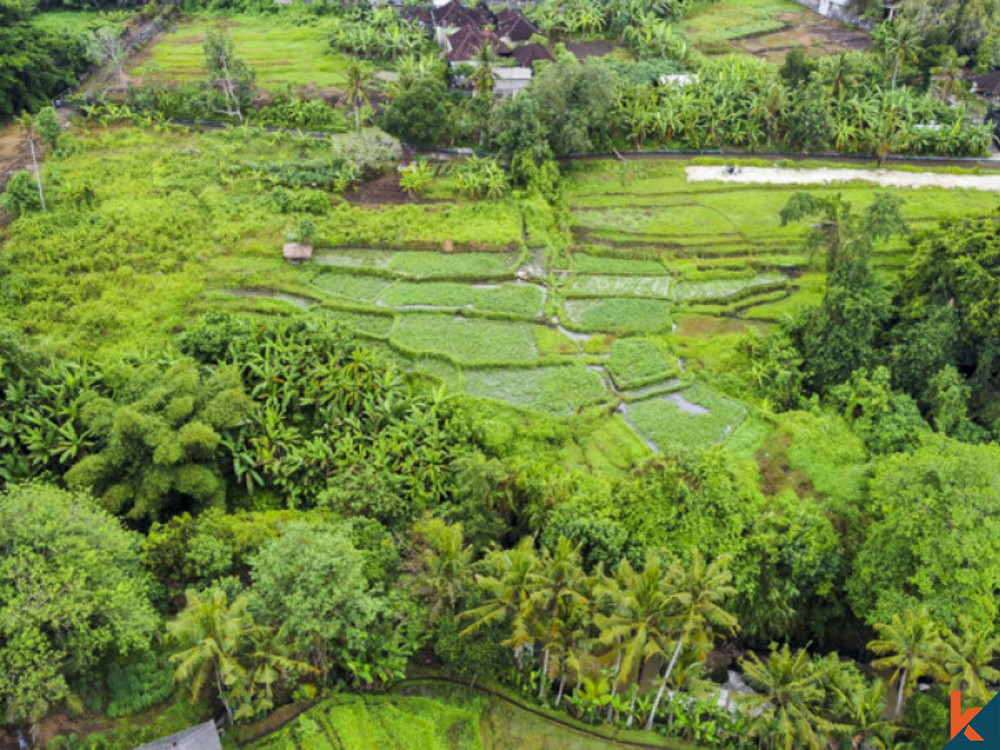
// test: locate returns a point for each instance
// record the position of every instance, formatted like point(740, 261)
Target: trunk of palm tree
point(614, 684)
point(562, 686)
point(357, 117)
point(902, 691)
point(38, 174)
point(222, 696)
point(663, 687)
point(895, 72)
point(631, 710)
point(543, 678)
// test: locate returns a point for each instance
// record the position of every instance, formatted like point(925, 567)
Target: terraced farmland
point(617, 320)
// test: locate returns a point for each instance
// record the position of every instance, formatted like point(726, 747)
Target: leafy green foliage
point(420, 114)
point(139, 684)
point(310, 584)
point(927, 545)
point(157, 439)
point(71, 594)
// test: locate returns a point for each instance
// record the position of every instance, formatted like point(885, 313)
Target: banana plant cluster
point(380, 34)
point(739, 102)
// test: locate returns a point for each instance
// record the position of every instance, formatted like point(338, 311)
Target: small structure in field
point(201, 737)
point(296, 253)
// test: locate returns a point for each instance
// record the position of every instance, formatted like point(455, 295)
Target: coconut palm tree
point(357, 78)
point(968, 658)
point(697, 592)
point(484, 79)
point(559, 586)
point(900, 43)
point(213, 632)
point(859, 706)
point(443, 564)
point(636, 628)
point(785, 712)
point(911, 646)
point(508, 579)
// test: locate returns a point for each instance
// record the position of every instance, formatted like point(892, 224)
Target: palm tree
point(357, 77)
point(213, 632)
point(508, 581)
point(859, 705)
point(968, 658)
point(911, 646)
point(900, 43)
point(697, 593)
point(483, 79)
point(636, 629)
point(442, 564)
point(30, 130)
point(559, 586)
point(269, 666)
point(785, 710)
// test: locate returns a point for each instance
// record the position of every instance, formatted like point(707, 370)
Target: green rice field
point(282, 50)
point(627, 324)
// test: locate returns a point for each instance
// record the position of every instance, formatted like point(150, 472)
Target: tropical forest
point(532, 374)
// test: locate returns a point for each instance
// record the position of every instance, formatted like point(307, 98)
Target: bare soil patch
point(812, 33)
point(583, 50)
point(383, 190)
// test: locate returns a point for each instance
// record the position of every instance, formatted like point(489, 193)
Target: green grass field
point(656, 269)
point(282, 50)
point(79, 21)
point(733, 19)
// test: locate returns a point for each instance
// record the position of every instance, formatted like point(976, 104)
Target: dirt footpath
point(825, 176)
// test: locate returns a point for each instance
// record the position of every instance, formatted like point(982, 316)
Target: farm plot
point(636, 362)
point(467, 342)
point(618, 315)
point(522, 300)
point(619, 286)
point(694, 417)
point(282, 50)
point(562, 389)
point(726, 289)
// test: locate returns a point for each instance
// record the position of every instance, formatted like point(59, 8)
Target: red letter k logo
point(960, 721)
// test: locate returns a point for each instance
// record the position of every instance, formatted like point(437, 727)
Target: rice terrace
point(470, 376)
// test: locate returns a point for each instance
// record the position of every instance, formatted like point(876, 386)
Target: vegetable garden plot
point(582, 263)
point(431, 265)
point(620, 286)
point(555, 390)
point(367, 324)
point(347, 258)
point(722, 289)
point(349, 722)
point(464, 341)
point(615, 314)
point(638, 362)
point(351, 286)
point(524, 300)
point(696, 417)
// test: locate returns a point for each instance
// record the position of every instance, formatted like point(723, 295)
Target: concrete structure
point(201, 737)
point(838, 10)
point(509, 81)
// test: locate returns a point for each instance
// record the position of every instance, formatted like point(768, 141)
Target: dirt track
point(825, 176)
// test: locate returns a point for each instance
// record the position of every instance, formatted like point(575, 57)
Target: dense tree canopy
point(72, 592)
